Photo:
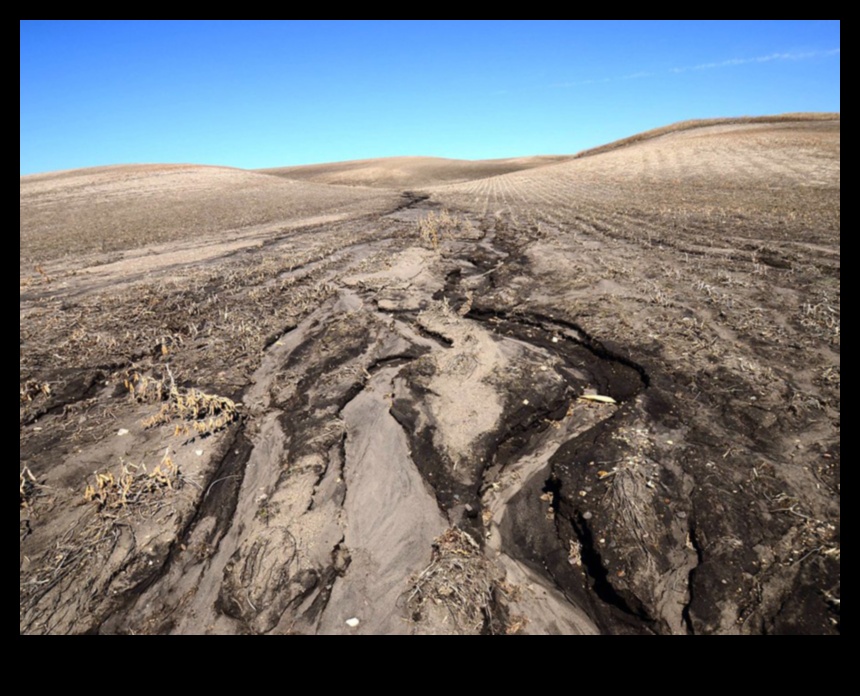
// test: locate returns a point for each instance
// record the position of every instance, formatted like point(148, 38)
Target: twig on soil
point(234, 476)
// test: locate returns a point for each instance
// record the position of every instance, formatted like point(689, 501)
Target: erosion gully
point(371, 431)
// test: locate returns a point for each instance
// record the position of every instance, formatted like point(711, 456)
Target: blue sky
point(267, 94)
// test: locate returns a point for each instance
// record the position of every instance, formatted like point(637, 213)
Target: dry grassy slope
point(706, 170)
point(421, 172)
point(410, 172)
point(129, 206)
point(695, 124)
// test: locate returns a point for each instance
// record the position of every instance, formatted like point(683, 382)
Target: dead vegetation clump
point(463, 586)
point(32, 389)
point(122, 500)
point(822, 319)
point(133, 485)
point(434, 227)
point(28, 487)
point(200, 413)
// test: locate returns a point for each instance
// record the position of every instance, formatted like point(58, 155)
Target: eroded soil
point(595, 396)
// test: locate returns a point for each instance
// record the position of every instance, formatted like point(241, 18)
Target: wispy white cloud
point(728, 63)
point(731, 62)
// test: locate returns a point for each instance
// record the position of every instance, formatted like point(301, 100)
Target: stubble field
point(581, 394)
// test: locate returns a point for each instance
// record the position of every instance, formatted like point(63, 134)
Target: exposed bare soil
point(597, 394)
point(409, 172)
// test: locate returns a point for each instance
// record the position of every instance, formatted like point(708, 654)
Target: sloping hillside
point(128, 206)
point(597, 396)
point(409, 172)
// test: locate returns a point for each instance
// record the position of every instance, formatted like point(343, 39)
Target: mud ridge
point(563, 327)
point(694, 540)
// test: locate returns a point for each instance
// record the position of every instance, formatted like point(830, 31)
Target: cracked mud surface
point(594, 395)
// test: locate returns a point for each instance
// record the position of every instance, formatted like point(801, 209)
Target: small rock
point(198, 452)
point(353, 622)
point(587, 515)
point(525, 402)
point(122, 431)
